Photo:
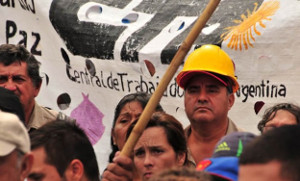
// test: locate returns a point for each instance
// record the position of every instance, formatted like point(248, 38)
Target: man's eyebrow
point(192, 86)
point(138, 149)
point(156, 147)
point(36, 176)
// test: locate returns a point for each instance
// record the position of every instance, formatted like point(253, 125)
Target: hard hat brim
point(183, 78)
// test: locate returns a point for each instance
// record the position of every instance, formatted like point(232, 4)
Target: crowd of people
point(39, 144)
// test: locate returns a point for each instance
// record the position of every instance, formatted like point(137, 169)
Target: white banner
point(94, 53)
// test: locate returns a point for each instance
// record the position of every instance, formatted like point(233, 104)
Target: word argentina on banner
point(262, 90)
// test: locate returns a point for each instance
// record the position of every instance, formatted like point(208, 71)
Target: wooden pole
point(170, 72)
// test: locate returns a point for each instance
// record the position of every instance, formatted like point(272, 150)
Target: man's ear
point(75, 170)
point(26, 165)
point(37, 89)
point(231, 99)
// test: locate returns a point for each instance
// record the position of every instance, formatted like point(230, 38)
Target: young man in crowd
point(62, 151)
point(272, 156)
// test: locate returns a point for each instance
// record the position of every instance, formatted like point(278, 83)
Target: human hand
point(121, 169)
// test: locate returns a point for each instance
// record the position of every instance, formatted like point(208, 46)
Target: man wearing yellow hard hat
point(209, 81)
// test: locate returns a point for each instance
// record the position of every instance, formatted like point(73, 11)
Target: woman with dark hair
point(162, 145)
point(127, 111)
point(279, 115)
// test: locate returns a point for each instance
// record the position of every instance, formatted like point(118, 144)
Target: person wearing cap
point(208, 78)
point(62, 151)
point(15, 157)
point(223, 165)
point(19, 72)
point(233, 144)
point(272, 156)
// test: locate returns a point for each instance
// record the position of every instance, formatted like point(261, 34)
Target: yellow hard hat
point(211, 60)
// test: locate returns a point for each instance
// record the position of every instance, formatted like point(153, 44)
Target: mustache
point(202, 106)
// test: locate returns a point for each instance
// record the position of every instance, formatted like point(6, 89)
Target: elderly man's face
point(14, 77)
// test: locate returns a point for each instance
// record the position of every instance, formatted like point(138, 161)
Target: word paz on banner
point(11, 31)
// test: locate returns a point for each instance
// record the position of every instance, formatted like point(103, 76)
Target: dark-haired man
point(272, 156)
point(208, 78)
point(62, 151)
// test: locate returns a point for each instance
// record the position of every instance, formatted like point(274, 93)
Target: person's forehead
point(152, 136)
point(40, 163)
point(282, 116)
point(39, 153)
point(203, 79)
point(17, 68)
point(129, 108)
point(132, 105)
point(41, 167)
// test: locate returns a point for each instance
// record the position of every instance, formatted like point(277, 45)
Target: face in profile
point(41, 170)
point(154, 153)
point(281, 117)
point(129, 113)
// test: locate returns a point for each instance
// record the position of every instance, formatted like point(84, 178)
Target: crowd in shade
point(40, 144)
